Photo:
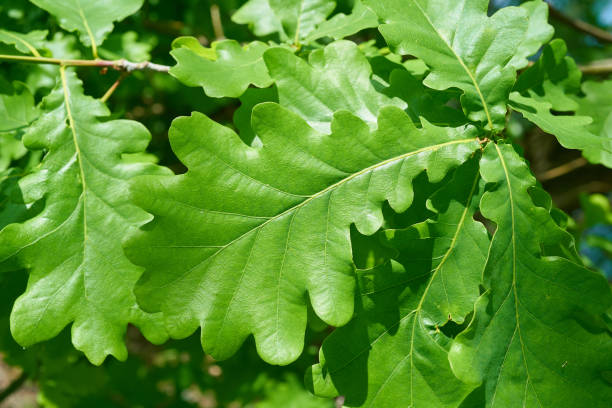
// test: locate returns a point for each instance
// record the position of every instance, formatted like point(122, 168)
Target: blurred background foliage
point(178, 374)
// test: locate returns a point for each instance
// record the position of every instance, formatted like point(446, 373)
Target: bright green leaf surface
point(393, 353)
point(538, 338)
point(337, 77)
point(464, 48)
point(28, 43)
point(92, 19)
point(241, 240)
point(229, 75)
point(343, 25)
point(78, 272)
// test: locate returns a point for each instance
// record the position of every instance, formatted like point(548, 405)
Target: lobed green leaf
point(249, 234)
point(72, 248)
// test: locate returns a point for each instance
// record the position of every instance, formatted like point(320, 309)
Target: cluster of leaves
point(369, 186)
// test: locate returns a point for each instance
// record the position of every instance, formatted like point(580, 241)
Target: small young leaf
point(241, 239)
point(226, 70)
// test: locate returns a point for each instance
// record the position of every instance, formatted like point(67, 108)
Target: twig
point(598, 67)
point(601, 35)
point(563, 169)
point(114, 86)
point(215, 15)
point(14, 386)
point(120, 65)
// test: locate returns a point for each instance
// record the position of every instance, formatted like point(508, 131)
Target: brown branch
point(119, 65)
point(215, 15)
point(602, 67)
point(562, 170)
point(14, 386)
point(600, 34)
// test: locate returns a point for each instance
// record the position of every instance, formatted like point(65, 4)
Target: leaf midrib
point(414, 313)
point(94, 47)
point(77, 148)
point(514, 273)
point(450, 250)
point(319, 194)
point(461, 62)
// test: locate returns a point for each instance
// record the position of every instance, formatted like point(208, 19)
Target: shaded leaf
point(241, 239)
point(17, 110)
point(242, 116)
point(292, 20)
point(78, 272)
point(597, 104)
point(424, 102)
point(393, 353)
point(538, 337)
point(259, 16)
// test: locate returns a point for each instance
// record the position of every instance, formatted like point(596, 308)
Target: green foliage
point(548, 86)
point(293, 20)
point(78, 272)
point(334, 79)
point(332, 192)
point(466, 49)
point(266, 233)
point(225, 70)
point(28, 43)
point(396, 335)
point(538, 337)
point(93, 20)
point(343, 25)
